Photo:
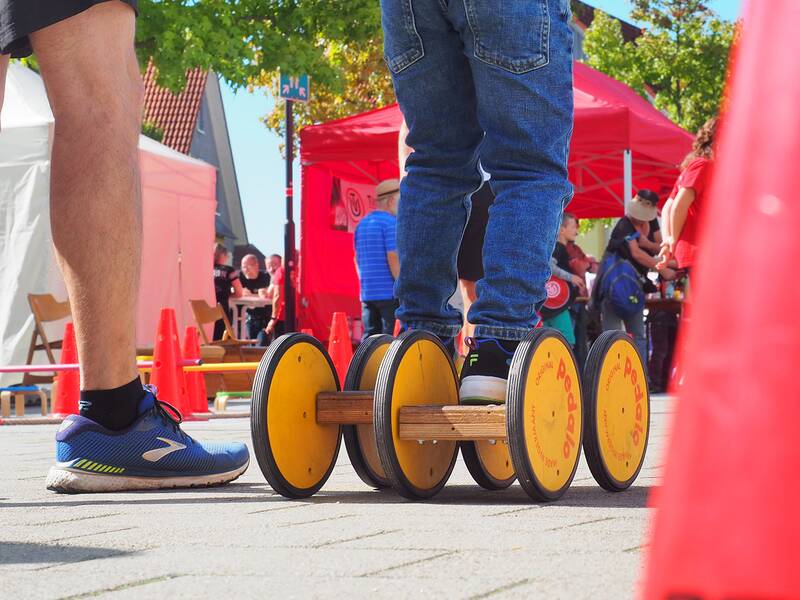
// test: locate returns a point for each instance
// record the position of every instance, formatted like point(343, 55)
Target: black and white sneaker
point(484, 376)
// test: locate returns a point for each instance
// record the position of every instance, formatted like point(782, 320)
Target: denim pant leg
point(608, 318)
point(371, 319)
point(387, 309)
point(434, 87)
point(635, 326)
point(521, 61)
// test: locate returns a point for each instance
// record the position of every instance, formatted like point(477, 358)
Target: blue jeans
point(634, 325)
point(377, 317)
point(480, 82)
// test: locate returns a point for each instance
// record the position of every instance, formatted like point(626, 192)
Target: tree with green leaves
point(680, 59)
point(365, 85)
point(244, 39)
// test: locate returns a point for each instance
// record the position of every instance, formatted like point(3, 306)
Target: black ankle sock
point(113, 409)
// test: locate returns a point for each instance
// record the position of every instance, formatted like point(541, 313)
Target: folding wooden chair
point(45, 309)
point(208, 315)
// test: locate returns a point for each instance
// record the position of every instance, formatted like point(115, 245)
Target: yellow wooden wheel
point(417, 370)
point(359, 440)
point(544, 414)
point(489, 463)
point(295, 453)
point(617, 411)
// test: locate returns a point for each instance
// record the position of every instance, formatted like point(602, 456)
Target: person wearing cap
point(625, 242)
point(652, 241)
point(377, 262)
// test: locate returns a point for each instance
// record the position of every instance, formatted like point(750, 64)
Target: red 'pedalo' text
point(638, 395)
point(572, 406)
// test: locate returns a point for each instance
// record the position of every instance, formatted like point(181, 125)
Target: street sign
point(295, 87)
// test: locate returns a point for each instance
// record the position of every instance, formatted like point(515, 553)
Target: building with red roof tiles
point(193, 122)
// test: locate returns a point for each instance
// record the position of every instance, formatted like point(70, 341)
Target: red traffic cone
point(307, 331)
point(68, 388)
point(195, 382)
point(727, 524)
point(167, 376)
point(340, 346)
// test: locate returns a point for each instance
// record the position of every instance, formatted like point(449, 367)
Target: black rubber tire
point(352, 381)
point(515, 416)
point(382, 416)
point(469, 452)
point(591, 444)
point(258, 416)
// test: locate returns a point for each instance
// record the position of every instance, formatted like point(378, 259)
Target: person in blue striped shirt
point(377, 262)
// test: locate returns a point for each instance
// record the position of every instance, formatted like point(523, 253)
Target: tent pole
point(627, 169)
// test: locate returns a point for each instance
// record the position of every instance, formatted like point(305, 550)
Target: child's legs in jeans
point(460, 71)
point(522, 68)
point(434, 87)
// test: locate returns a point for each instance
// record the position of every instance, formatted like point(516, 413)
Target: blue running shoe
point(152, 454)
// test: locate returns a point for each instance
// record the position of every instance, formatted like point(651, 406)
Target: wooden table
point(673, 305)
point(244, 302)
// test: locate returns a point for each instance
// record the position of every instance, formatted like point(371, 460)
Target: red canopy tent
point(620, 143)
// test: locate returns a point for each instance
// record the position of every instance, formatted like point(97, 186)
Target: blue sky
point(260, 168)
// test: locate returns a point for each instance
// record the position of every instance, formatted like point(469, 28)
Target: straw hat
point(641, 210)
point(387, 187)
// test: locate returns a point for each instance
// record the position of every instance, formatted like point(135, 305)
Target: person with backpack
point(622, 280)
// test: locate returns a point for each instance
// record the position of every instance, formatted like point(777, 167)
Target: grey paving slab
point(244, 541)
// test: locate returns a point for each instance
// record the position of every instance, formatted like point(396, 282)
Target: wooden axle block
point(345, 408)
point(453, 422)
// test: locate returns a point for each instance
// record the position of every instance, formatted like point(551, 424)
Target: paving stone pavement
point(244, 541)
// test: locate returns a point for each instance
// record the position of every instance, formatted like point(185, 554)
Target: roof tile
point(175, 114)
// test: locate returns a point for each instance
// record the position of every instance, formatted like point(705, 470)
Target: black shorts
point(470, 254)
point(19, 18)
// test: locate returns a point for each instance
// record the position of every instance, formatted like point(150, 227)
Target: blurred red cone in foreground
point(727, 523)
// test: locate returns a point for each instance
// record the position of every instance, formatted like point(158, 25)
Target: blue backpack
point(621, 285)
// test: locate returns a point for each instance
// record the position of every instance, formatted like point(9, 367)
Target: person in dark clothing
point(625, 243)
point(255, 283)
point(226, 283)
point(470, 252)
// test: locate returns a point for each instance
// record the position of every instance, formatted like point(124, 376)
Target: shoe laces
point(168, 414)
point(474, 344)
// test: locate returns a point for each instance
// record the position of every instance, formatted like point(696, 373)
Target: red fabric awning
point(609, 119)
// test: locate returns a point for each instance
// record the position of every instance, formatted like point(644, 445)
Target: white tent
point(178, 200)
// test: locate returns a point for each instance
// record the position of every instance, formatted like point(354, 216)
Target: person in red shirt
point(682, 212)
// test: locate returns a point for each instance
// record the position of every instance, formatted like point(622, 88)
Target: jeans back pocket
point(511, 34)
point(402, 44)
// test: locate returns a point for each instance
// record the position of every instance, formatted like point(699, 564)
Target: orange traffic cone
point(340, 346)
point(167, 376)
point(195, 382)
point(397, 327)
point(68, 385)
point(727, 523)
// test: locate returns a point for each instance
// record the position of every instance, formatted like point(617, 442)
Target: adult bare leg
point(95, 89)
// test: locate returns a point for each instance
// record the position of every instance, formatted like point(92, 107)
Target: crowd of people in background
point(263, 323)
point(642, 257)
